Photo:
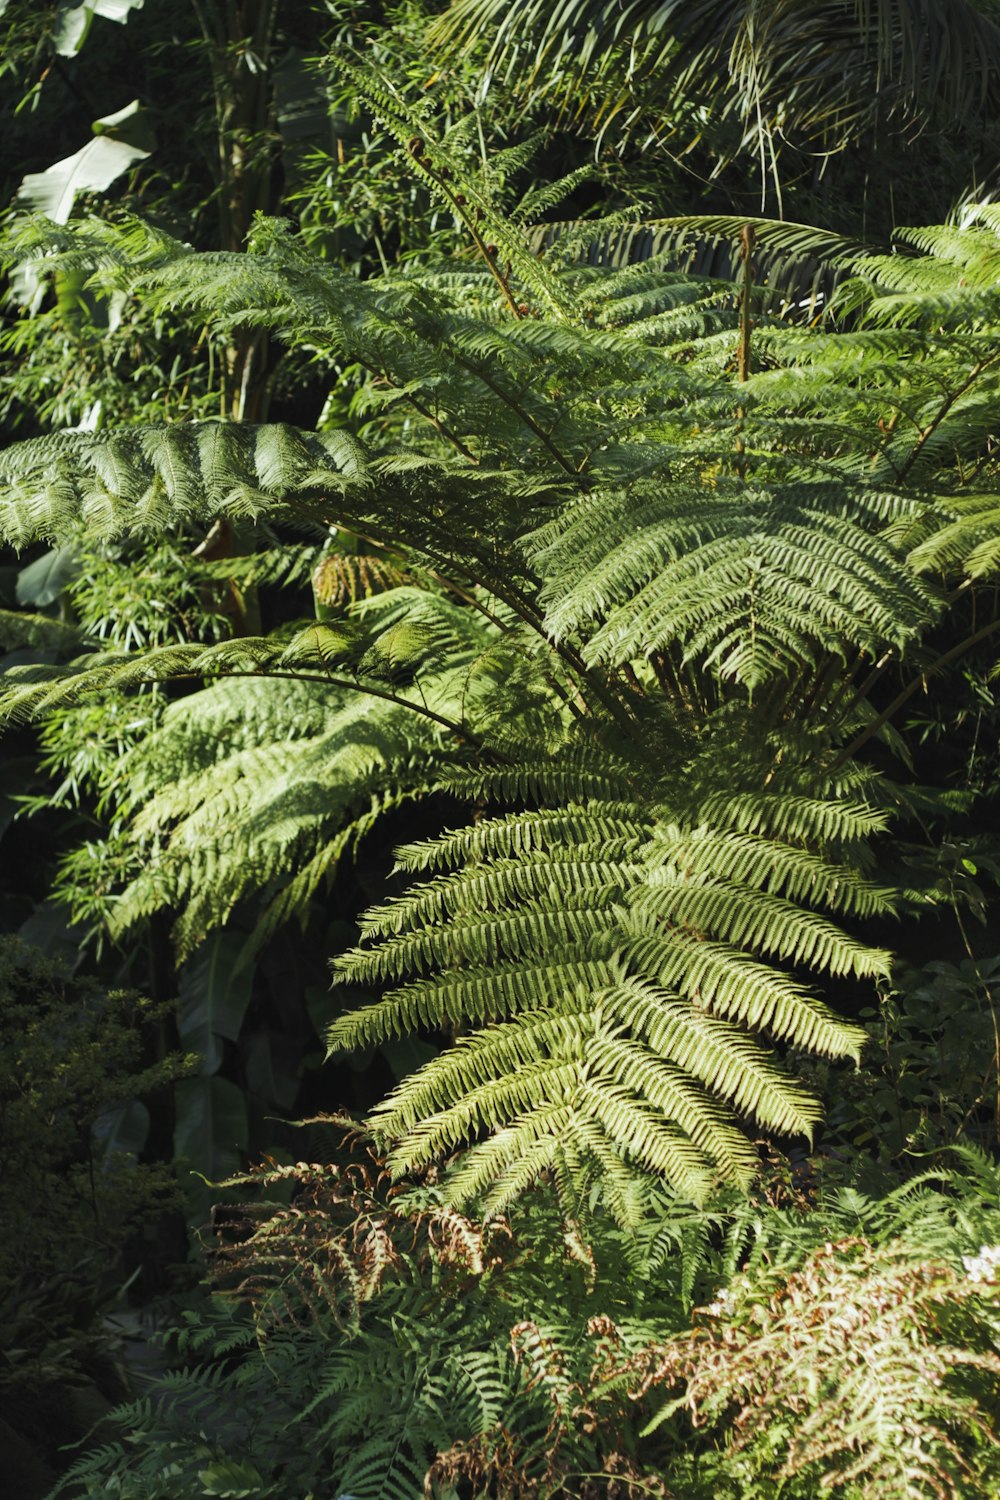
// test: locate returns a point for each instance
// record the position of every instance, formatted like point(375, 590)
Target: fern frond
point(758, 921)
point(616, 977)
point(475, 996)
point(756, 860)
point(148, 479)
point(733, 564)
point(729, 983)
point(19, 629)
point(612, 827)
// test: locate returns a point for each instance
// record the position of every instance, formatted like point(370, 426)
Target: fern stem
point(672, 683)
point(460, 730)
point(531, 616)
point(431, 171)
point(669, 688)
point(843, 682)
point(696, 693)
point(743, 354)
point(904, 696)
point(883, 664)
point(743, 348)
point(808, 699)
point(526, 611)
point(525, 416)
point(948, 402)
point(604, 694)
point(789, 697)
point(439, 426)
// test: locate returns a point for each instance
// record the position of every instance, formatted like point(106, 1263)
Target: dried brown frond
point(347, 1229)
point(343, 578)
point(887, 1364)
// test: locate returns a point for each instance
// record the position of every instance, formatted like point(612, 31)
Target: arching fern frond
point(821, 71)
point(709, 570)
point(611, 962)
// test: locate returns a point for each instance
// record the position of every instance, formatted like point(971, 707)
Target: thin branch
point(743, 353)
point(991, 1002)
point(340, 682)
point(885, 661)
point(907, 692)
point(928, 432)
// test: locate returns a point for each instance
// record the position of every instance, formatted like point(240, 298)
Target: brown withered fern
point(494, 1464)
point(342, 578)
point(579, 1439)
point(345, 1232)
point(879, 1371)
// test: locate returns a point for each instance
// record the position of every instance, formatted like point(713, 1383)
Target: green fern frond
point(789, 815)
point(969, 544)
point(506, 886)
point(723, 1057)
point(19, 629)
point(475, 996)
point(731, 564)
point(617, 979)
point(635, 590)
point(727, 982)
point(758, 921)
point(447, 176)
point(755, 860)
point(256, 815)
point(145, 480)
point(613, 828)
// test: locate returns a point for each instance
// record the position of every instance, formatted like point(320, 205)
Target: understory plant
point(73, 1190)
point(371, 1342)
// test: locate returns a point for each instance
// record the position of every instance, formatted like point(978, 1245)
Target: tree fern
point(650, 586)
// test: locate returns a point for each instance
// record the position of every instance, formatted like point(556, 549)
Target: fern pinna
point(638, 601)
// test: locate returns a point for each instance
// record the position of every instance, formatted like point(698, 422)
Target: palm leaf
point(823, 70)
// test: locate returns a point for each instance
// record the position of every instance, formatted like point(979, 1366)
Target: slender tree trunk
point(240, 42)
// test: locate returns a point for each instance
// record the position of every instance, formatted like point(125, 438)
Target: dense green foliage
point(659, 672)
point(396, 1357)
point(427, 575)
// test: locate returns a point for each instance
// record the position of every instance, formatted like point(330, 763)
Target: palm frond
point(821, 71)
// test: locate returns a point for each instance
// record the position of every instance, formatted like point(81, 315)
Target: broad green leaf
point(42, 581)
point(213, 998)
point(405, 1054)
point(50, 927)
point(122, 1131)
point(117, 145)
point(73, 19)
point(210, 1135)
point(133, 124)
